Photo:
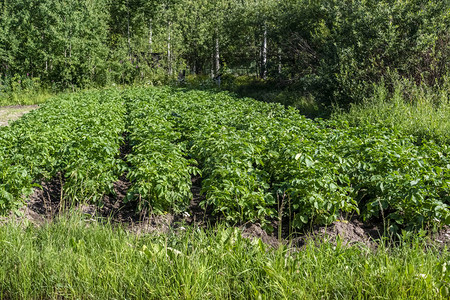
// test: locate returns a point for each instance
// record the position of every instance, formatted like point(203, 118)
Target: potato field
point(258, 162)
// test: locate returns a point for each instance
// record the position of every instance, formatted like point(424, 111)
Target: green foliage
point(338, 49)
point(76, 137)
point(328, 50)
point(60, 44)
point(420, 111)
point(256, 160)
point(76, 257)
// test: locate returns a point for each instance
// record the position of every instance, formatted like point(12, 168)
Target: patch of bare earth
point(348, 232)
point(442, 238)
point(255, 231)
point(11, 113)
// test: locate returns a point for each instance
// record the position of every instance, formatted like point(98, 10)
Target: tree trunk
point(264, 54)
point(257, 60)
point(279, 61)
point(217, 57)
point(169, 52)
point(150, 37)
point(128, 30)
point(212, 65)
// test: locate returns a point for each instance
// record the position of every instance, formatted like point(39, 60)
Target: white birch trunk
point(279, 61)
point(264, 54)
point(212, 66)
point(128, 30)
point(217, 58)
point(150, 37)
point(169, 51)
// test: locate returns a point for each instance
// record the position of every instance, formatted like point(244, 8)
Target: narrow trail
point(14, 112)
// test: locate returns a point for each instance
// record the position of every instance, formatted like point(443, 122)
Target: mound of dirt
point(347, 232)
point(254, 231)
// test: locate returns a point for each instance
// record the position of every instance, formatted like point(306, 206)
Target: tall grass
point(24, 98)
point(418, 110)
point(78, 258)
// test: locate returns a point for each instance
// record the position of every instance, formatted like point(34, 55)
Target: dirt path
point(11, 113)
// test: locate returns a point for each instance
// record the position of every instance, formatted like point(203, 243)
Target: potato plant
point(158, 168)
point(75, 138)
point(257, 158)
point(257, 161)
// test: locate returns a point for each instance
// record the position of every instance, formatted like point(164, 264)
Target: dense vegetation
point(77, 258)
point(419, 111)
point(77, 136)
point(259, 162)
point(330, 50)
point(379, 69)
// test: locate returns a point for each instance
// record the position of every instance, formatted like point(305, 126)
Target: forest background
point(327, 51)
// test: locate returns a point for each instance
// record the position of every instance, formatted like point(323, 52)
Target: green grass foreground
point(75, 258)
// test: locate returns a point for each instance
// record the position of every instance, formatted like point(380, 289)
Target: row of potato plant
point(74, 138)
point(258, 159)
point(159, 172)
point(234, 184)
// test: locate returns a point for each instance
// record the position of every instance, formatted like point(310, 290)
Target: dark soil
point(45, 204)
point(198, 215)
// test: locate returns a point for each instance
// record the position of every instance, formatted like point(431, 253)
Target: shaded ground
point(45, 204)
point(11, 113)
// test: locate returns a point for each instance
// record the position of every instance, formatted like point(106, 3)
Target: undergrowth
point(79, 258)
point(418, 110)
